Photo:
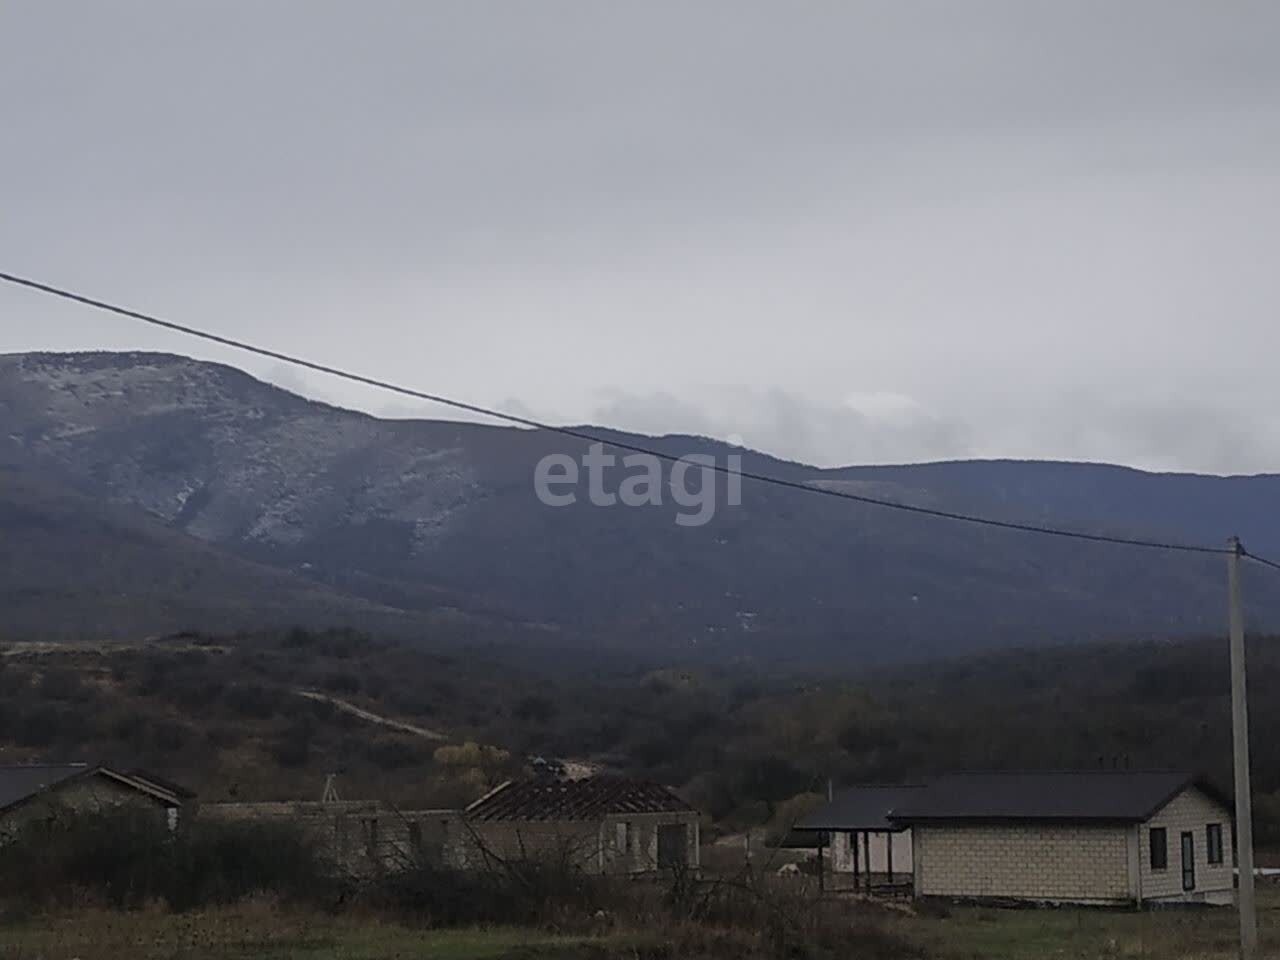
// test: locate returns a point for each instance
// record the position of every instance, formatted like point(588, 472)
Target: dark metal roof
point(588, 799)
point(1130, 796)
point(861, 808)
point(18, 783)
point(798, 838)
point(1110, 795)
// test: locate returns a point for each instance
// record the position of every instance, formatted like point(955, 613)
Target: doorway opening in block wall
point(672, 849)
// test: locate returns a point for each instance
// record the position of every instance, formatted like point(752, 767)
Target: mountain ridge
point(420, 515)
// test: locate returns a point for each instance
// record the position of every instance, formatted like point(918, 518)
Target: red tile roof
point(588, 799)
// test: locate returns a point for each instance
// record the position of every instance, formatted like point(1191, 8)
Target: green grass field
point(266, 932)
point(262, 933)
point(975, 932)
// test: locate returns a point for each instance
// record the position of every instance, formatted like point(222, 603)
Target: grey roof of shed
point(1116, 796)
point(862, 808)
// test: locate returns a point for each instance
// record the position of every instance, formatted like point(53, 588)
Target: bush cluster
point(126, 858)
point(524, 892)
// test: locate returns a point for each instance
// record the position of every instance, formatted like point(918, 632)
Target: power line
point(592, 438)
point(1257, 559)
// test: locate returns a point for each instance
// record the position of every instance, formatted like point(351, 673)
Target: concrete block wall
point(361, 838)
point(617, 844)
point(641, 854)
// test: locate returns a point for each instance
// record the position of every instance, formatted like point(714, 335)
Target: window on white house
point(623, 839)
point(1188, 860)
point(1213, 842)
point(1159, 848)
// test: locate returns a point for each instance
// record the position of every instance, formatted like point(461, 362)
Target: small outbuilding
point(41, 791)
point(603, 824)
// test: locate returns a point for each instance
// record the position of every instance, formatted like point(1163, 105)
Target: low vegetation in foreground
point(264, 929)
point(259, 716)
point(121, 885)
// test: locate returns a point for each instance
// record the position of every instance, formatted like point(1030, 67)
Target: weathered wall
point(617, 844)
point(359, 838)
point(1026, 861)
point(1191, 811)
point(93, 793)
point(641, 853)
point(481, 844)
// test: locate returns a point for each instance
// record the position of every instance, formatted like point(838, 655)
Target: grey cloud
point(1007, 211)
point(789, 426)
point(1163, 434)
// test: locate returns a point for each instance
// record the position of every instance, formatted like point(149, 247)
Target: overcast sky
point(846, 232)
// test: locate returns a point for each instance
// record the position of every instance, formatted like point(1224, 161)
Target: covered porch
point(858, 848)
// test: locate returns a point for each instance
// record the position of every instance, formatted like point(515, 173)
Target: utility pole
point(1240, 760)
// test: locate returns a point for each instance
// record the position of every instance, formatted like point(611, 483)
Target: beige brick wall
point(1026, 861)
point(1190, 811)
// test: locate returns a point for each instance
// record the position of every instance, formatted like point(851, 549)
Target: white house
point(1104, 837)
point(1094, 837)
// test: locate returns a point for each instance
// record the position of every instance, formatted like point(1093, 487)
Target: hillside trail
point(356, 711)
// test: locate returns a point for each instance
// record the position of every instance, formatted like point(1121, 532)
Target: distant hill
point(74, 567)
point(268, 714)
point(289, 507)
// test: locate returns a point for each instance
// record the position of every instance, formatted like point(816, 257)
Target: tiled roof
point(588, 799)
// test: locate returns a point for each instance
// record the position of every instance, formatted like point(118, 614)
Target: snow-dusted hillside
point(423, 515)
point(226, 457)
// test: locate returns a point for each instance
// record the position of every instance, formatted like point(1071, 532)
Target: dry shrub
point(756, 915)
point(528, 892)
point(128, 858)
